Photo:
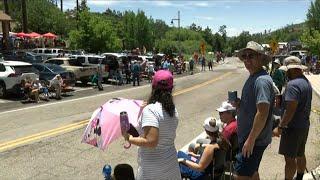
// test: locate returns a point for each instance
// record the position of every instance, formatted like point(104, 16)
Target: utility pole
point(178, 19)
point(6, 7)
point(24, 16)
point(77, 13)
point(61, 5)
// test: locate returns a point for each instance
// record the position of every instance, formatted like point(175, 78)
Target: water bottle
point(125, 126)
point(106, 171)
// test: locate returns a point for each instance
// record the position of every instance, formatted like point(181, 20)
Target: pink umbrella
point(49, 35)
point(22, 34)
point(104, 125)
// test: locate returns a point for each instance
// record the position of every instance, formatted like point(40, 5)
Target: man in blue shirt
point(295, 122)
point(254, 118)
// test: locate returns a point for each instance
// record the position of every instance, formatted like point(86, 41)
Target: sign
point(203, 48)
point(274, 46)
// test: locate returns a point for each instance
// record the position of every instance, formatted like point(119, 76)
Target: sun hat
point(292, 62)
point(163, 79)
point(225, 106)
point(256, 47)
point(212, 125)
point(277, 61)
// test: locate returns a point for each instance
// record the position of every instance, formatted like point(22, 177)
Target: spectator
point(277, 75)
point(295, 122)
point(127, 72)
point(157, 153)
point(135, 69)
point(57, 84)
point(191, 64)
point(123, 172)
point(227, 116)
point(210, 61)
point(198, 167)
point(254, 119)
point(203, 63)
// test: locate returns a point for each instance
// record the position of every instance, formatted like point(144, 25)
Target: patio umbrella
point(104, 125)
point(22, 34)
point(33, 35)
point(49, 35)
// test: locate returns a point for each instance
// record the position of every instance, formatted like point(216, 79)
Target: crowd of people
point(249, 118)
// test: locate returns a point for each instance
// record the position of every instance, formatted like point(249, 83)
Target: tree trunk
point(24, 16)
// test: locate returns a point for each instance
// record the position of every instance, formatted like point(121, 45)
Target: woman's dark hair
point(123, 172)
point(163, 96)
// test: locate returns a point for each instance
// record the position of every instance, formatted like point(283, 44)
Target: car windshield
point(24, 69)
point(54, 68)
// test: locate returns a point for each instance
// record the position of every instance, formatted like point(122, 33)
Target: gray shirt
point(257, 89)
point(300, 90)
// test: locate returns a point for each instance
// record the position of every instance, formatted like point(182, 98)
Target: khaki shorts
point(293, 142)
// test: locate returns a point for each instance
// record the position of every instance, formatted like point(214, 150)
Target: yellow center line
point(11, 144)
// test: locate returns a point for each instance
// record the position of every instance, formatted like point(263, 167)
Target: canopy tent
point(34, 35)
point(22, 34)
point(49, 35)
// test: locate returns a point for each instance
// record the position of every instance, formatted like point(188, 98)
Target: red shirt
point(230, 129)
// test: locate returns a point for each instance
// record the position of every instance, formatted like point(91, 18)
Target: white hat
point(225, 106)
point(292, 62)
point(254, 46)
point(211, 124)
point(277, 61)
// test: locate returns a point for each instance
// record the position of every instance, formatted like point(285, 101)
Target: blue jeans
point(186, 171)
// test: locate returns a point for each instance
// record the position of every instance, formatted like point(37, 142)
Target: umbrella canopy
point(104, 125)
point(34, 35)
point(49, 35)
point(22, 34)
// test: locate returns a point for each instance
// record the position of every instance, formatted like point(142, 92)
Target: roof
point(4, 16)
point(15, 63)
point(113, 54)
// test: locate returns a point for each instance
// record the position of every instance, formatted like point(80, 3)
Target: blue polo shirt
point(257, 89)
point(300, 90)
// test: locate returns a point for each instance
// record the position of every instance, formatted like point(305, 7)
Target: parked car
point(48, 71)
point(11, 74)
point(298, 53)
point(114, 61)
point(47, 53)
point(89, 60)
point(24, 56)
point(82, 73)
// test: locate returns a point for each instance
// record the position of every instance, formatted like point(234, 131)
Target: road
point(43, 141)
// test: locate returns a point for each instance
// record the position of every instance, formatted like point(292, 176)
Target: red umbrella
point(22, 34)
point(33, 35)
point(50, 35)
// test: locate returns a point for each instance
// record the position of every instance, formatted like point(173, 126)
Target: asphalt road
point(43, 141)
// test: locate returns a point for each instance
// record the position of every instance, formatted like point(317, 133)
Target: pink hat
point(163, 76)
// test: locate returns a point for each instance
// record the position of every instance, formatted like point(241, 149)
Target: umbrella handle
point(127, 145)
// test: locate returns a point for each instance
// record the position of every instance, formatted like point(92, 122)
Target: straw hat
point(256, 47)
point(292, 62)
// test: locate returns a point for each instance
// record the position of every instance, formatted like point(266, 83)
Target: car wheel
point(84, 82)
point(2, 90)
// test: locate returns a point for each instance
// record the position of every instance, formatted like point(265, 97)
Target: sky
point(238, 15)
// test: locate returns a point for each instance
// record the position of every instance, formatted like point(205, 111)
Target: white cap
point(225, 106)
point(207, 126)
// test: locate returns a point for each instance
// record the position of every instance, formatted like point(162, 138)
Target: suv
point(47, 53)
point(11, 74)
point(298, 53)
point(89, 60)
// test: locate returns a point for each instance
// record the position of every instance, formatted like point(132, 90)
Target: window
point(74, 62)
point(81, 59)
point(24, 69)
point(35, 51)
point(60, 51)
point(47, 51)
point(38, 67)
point(2, 68)
point(93, 60)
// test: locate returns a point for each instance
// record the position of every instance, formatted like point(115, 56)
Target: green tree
point(313, 15)
point(312, 41)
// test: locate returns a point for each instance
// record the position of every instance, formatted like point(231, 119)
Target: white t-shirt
point(159, 162)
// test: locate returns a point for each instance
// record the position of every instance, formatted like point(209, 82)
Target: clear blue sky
point(237, 15)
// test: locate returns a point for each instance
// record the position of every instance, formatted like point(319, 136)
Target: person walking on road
point(254, 120)
point(191, 64)
point(136, 68)
point(295, 122)
point(210, 62)
point(203, 63)
point(157, 155)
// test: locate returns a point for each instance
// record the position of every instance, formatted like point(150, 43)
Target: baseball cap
point(211, 124)
point(226, 106)
point(163, 79)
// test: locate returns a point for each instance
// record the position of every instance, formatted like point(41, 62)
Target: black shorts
point(293, 142)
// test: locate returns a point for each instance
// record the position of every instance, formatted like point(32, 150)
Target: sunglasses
point(248, 56)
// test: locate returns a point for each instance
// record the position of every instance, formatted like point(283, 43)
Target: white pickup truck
point(82, 73)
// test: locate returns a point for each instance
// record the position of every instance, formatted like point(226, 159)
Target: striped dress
point(159, 162)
